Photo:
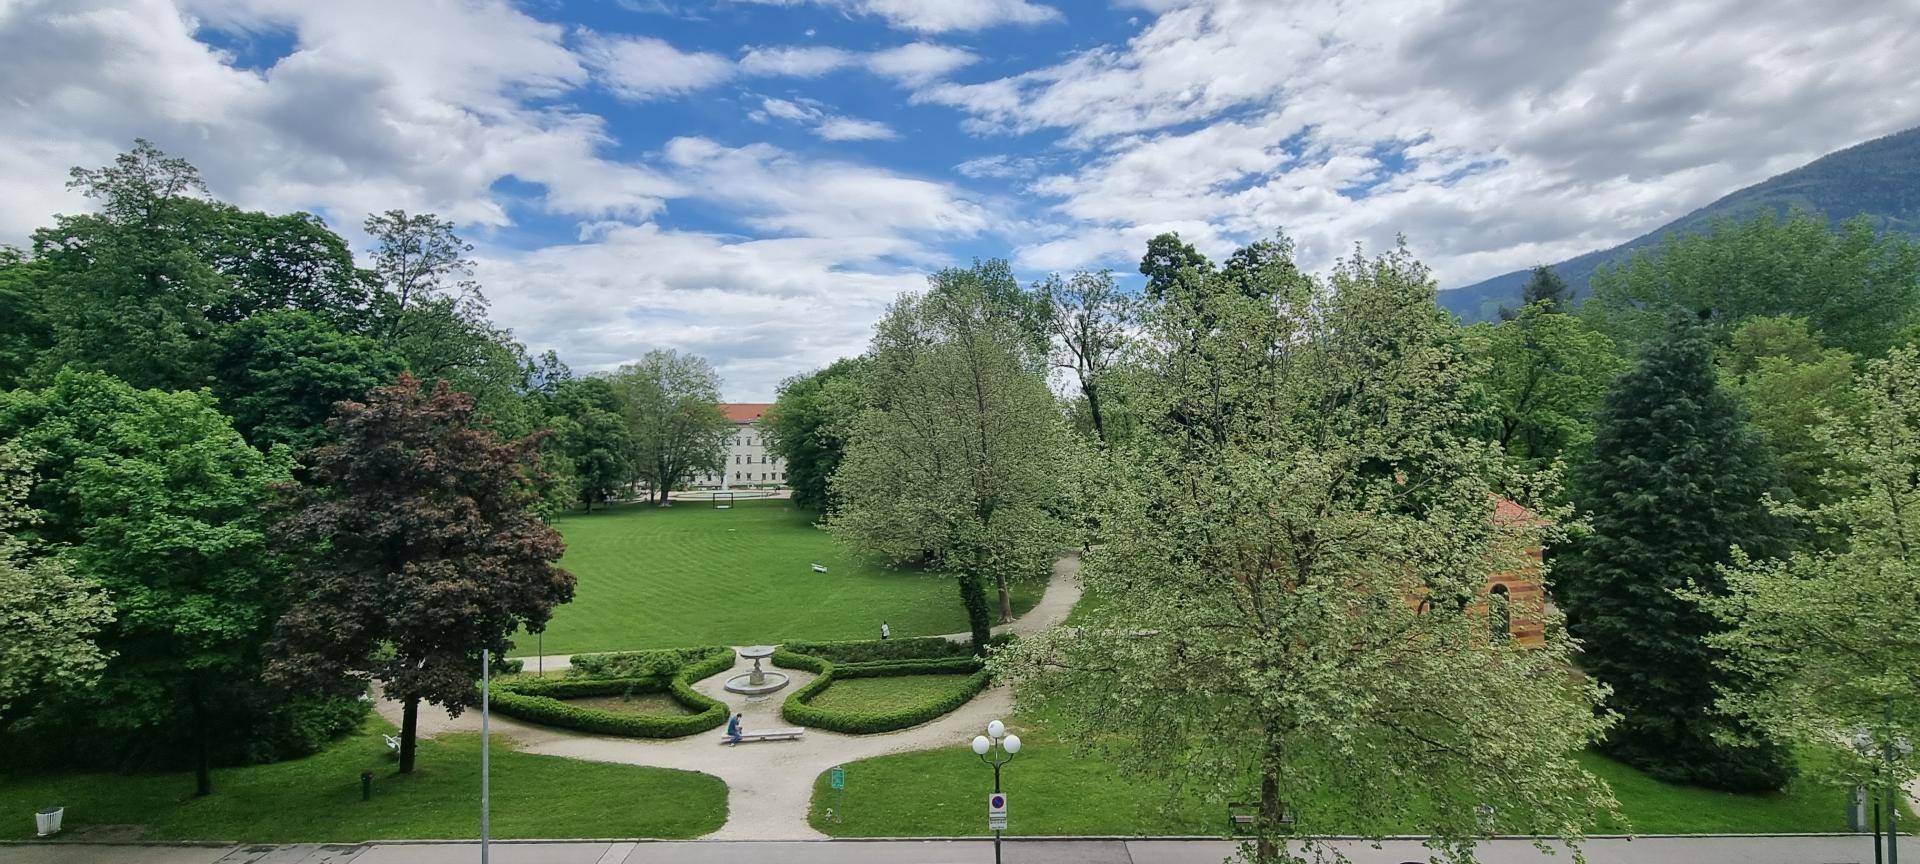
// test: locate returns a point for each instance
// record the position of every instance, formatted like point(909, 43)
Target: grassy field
point(938, 793)
point(655, 704)
point(873, 695)
point(692, 575)
point(318, 798)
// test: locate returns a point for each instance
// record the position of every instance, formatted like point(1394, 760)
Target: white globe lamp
point(980, 745)
point(996, 729)
point(1012, 744)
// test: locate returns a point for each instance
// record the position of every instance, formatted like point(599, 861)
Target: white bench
point(819, 568)
point(769, 735)
point(393, 744)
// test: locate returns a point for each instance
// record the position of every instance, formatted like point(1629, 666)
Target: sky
point(754, 180)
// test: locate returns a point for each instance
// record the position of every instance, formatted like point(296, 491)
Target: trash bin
point(47, 821)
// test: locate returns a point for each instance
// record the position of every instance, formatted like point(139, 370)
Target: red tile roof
point(745, 412)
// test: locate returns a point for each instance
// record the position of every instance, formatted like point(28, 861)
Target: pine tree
point(1677, 480)
point(1544, 287)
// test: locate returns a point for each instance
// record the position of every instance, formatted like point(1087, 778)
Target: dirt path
point(769, 784)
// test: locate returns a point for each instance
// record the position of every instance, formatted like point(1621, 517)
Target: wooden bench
point(769, 735)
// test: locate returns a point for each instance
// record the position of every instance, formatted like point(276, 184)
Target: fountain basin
point(758, 682)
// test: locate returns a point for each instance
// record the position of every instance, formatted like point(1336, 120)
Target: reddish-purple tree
point(420, 547)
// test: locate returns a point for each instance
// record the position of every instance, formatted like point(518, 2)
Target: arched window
point(1499, 613)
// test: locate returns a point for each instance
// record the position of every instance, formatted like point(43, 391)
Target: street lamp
point(996, 748)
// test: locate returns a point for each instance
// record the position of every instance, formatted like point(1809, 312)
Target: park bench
point(1242, 816)
point(769, 735)
point(819, 568)
point(393, 744)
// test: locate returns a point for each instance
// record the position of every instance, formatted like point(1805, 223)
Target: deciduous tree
point(419, 549)
point(1305, 475)
point(51, 615)
point(959, 458)
point(1090, 318)
point(160, 500)
point(279, 374)
point(808, 424)
point(672, 404)
point(1830, 639)
point(1546, 373)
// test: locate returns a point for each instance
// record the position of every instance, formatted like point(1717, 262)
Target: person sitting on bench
point(735, 728)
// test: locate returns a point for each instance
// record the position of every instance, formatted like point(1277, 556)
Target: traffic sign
point(997, 811)
point(837, 778)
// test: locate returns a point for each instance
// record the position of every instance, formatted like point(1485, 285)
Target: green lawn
point(693, 575)
point(653, 704)
point(1052, 791)
point(874, 695)
point(317, 799)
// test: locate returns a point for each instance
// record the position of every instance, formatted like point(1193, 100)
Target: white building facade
point(749, 463)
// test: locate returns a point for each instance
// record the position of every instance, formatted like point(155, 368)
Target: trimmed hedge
point(874, 650)
point(657, 663)
point(799, 710)
point(538, 700)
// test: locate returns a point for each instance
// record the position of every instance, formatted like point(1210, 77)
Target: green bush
point(657, 663)
point(799, 710)
point(538, 701)
point(669, 670)
point(872, 650)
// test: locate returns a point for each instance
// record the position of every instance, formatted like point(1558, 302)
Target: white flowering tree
point(1295, 544)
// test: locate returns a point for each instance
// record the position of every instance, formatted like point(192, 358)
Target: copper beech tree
point(421, 548)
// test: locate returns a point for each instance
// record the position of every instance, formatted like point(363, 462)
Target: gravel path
point(769, 784)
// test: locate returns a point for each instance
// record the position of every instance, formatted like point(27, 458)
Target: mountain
point(1880, 178)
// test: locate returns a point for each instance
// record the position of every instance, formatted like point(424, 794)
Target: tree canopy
point(1676, 483)
point(1305, 472)
point(417, 548)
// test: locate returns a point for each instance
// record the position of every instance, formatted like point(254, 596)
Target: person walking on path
point(885, 631)
point(735, 728)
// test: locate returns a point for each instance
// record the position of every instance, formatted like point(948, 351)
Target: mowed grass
point(652, 577)
point(653, 704)
point(891, 693)
point(317, 799)
point(1053, 791)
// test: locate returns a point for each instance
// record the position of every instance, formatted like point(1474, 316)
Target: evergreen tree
point(1544, 287)
point(1677, 481)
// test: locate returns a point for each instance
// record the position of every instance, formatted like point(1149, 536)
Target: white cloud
point(362, 113)
point(820, 122)
point(1494, 134)
point(852, 129)
point(912, 64)
point(762, 310)
point(778, 192)
point(639, 68)
point(917, 63)
point(797, 61)
point(940, 16)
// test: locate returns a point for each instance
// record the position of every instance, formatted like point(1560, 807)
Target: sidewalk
point(1808, 849)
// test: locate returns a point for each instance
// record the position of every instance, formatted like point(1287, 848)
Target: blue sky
point(753, 180)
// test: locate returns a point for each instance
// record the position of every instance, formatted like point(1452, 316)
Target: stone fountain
point(758, 682)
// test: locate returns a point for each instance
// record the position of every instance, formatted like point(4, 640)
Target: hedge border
point(797, 709)
point(539, 700)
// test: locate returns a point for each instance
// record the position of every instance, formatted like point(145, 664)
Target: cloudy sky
point(754, 179)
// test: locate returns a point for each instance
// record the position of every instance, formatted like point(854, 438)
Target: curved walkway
point(770, 784)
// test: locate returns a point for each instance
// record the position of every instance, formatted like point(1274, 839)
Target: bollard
point(366, 785)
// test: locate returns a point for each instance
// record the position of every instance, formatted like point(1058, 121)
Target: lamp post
point(996, 748)
point(486, 811)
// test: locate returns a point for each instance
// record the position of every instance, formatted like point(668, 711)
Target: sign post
point(997, 813)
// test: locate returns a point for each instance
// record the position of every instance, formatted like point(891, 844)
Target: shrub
point(668, 670)
point(539, 702)
point(656, 663)
point(799, 710)
point(871, 650)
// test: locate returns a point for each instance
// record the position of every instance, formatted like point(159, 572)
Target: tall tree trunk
point(409, 725)
point(202, 762)
point(973, 594)
point(1266, 849)
point(1006, 598)
point(1093, 407)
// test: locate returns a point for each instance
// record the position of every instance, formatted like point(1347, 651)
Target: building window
point(1499, 613)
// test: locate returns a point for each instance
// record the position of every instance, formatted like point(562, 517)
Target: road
point(1811, 849)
